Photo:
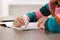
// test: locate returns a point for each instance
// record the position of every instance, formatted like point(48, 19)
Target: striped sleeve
point(36, 15)
point(32, 16)
point(45, 10)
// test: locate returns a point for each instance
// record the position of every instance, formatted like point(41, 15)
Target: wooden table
point(11, 34)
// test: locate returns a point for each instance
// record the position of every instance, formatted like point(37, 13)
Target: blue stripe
point(32, 16)
point(45, 10)
point(53, 25)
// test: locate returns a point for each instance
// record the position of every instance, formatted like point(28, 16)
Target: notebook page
point(29, 26)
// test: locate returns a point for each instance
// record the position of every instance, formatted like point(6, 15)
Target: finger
point(21, 21)
point(16, 23)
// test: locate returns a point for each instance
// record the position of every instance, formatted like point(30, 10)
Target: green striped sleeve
point(45, 10)
point(32, 16)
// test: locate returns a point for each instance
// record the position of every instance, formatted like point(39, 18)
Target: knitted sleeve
point(36, 15)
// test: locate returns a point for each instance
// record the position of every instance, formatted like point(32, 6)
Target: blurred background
point(19, 7)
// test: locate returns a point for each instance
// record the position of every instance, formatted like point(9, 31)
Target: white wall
point(18, 7)
point(17, 10)
point(0, 7)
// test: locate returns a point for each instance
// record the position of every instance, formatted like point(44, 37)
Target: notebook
point(30, 26)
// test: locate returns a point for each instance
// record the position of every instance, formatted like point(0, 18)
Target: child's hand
point(41, 22)
point(19, 22)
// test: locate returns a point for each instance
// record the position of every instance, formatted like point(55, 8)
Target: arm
point(36, 15)
point(32, 16)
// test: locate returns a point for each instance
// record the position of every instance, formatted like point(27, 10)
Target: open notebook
point(28, 27)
